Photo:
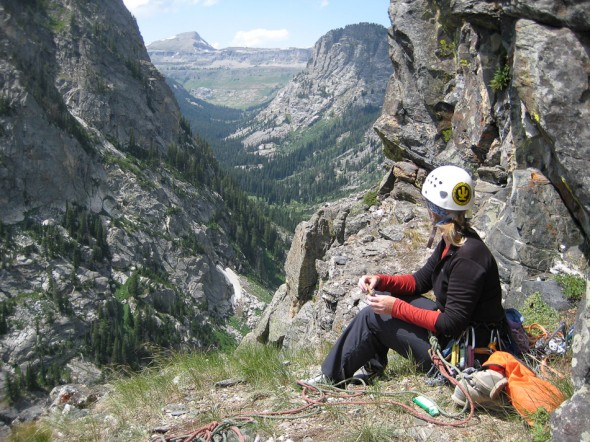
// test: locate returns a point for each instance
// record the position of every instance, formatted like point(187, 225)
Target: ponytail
point(454, 231)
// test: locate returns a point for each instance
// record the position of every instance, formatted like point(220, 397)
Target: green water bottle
point(427, 405)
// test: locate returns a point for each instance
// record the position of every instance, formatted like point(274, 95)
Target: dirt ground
point(359, 414)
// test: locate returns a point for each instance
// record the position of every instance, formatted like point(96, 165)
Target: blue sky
point(253, 23)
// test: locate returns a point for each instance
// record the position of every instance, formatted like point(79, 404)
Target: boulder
point(569, 423)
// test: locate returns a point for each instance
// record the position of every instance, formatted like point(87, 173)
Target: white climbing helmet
point(450, 188)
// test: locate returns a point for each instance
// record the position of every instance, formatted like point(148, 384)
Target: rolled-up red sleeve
point(397, 284)
point(414, 315)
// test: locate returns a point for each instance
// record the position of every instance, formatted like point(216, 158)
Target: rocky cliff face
point(71, 81)
point(501, 89)
point(348, 69)
point(110, 212)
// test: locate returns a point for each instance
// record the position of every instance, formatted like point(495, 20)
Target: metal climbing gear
point(554, 344)
point(470, 347)
point(466, 349)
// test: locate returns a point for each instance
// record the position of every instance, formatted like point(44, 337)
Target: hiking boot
point(320, 379)
point(365, 375)
point(484, 387)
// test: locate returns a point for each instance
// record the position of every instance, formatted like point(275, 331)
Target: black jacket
point(466, 285)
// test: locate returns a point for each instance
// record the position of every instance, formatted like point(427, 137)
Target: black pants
point(368, 338)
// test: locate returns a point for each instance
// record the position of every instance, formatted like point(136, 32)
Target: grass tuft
point(501, 78)
point(573, 286)
point(261, 366)
point(30, 432)
point(536, 311)
point(370, 198)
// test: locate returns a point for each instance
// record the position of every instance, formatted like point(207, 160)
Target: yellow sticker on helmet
point(462, 194)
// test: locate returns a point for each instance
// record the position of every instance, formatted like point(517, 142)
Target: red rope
point(206, 433)
point(315, 397)
point(341, 394)
point(442, 367)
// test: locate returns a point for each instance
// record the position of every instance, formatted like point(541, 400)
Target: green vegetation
point(42, 372)
point(284, 188)
point(58, 24)
point(134, 67)
point(5, 107)
point(138, 400)
point(129, 289)
point(540, 428)
point(267, 377)
point(87, 229)
point(501, 78)
point(234, 88)
point(209, 121)
point(574, 287)
point(7, 246)
point(30, 432)
point(261, 292)
point(446, 49)
point(370, 198)
point(248, 226)
point(447, 134)
point(117, 336)
point(6, 310)
point(121, 336)
point(82, 229)
point(265, 382)
point(536, 310)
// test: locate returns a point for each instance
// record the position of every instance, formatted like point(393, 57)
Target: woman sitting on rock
point(461, 272)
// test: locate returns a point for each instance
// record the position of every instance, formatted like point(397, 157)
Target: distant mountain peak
point(184, 42)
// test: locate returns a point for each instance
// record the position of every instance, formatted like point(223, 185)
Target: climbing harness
point(545, 346)
point(556, 343)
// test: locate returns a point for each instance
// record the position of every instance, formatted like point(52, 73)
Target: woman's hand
point(367, 283)
point(381, 304)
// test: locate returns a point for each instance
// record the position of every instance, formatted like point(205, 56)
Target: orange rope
point(533, 337)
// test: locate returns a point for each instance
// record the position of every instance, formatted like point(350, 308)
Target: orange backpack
point(527, 392)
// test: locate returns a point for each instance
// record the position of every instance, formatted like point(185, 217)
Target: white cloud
point(146, 8)
point(259, 37)
point(135, 4)
point(324, 3)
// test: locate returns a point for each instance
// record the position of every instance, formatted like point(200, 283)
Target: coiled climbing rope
point(317, 396)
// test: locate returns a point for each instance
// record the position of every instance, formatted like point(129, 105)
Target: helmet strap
point(432, 235)
point(447, 219)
